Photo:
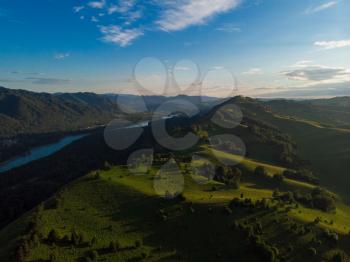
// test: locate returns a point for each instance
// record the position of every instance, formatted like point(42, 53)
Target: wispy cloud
point(61, 56)
point(332, 44)
point(10, 80)
point(94, 19)
point(316, 91)
point(117, 35)
point(77, 9)
point(181, 14)
point(167, 15)
point(312, 74)
point(321, 7)
point(48, 81)
point(182, 68)
point(254, 71)
point(97, 4)
point(123, 7)
point(229, 28)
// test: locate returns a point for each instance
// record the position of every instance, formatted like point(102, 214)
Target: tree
point(20, 255)
point(312, 251)
point(114, 246)
point(278, 179)
point(138, 243)
point(74, 238)
point(93, 241)
point(52, 236)
point(338, 257)
point(260, 171)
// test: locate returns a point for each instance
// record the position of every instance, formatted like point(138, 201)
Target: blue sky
point(261, 47)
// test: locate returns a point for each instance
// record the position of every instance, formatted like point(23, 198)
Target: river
point(39, 152)
point(43, 151)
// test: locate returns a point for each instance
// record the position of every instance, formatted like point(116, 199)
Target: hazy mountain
point(24, 112)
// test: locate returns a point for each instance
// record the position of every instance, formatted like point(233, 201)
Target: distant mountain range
point(332, 112)
point(24, 112)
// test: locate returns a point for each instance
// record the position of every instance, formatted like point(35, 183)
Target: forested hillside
point(24, 112)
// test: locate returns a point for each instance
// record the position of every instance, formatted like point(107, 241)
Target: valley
point(222, 205)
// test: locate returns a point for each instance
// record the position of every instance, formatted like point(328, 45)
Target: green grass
point(124, 207)
point(328, 150)
point(341, 217)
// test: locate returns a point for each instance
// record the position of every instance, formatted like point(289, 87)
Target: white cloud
point(61, 56)
point(182, 68)
point(48, 81)
point(117, 35)
point(77, 9)
point(324, 6)
point(123, 7)
point(181, 14)
point(302, 63)
point(332, 44)
point(218, 67)
point(94, 19)
point(168, 15)
point(229, 28)
point(254, 71)
point(312, 74)
point(97, 4)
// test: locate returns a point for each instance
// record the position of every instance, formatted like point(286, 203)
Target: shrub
point(93, 255)
point(74, 238)
point(278, 179)
point(226, 210)
point(52, 236)
point(82, 238)
point(145, 254)
point(312, 251)
point(260, 171)
point(338, 257)
point(66, 239)
point(114, 246)
point(93, 241)
point(138, 243)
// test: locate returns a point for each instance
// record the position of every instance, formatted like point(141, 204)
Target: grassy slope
point(328, 150)
point(341, 218)
point(123, 207)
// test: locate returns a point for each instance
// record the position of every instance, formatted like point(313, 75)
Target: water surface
point(39, 152)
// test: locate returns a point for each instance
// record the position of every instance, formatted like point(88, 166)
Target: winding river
point(39, 152)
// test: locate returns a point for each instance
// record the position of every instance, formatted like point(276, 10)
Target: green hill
point(245, 212)
point(123, 209)
point(24, 112)
point(328, 112)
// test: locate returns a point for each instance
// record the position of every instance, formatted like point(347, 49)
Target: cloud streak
point(48, 81)
point(322, 7)
point(311, 74)
point(327, 45)
point(182, 14)
point(61, 56)
point(117, 35)
point(229, 28)
point(167, 15)
point(97, 4)
point(253, 71)
point(77, 9)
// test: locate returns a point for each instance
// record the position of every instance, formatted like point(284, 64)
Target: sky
point(258, 48)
